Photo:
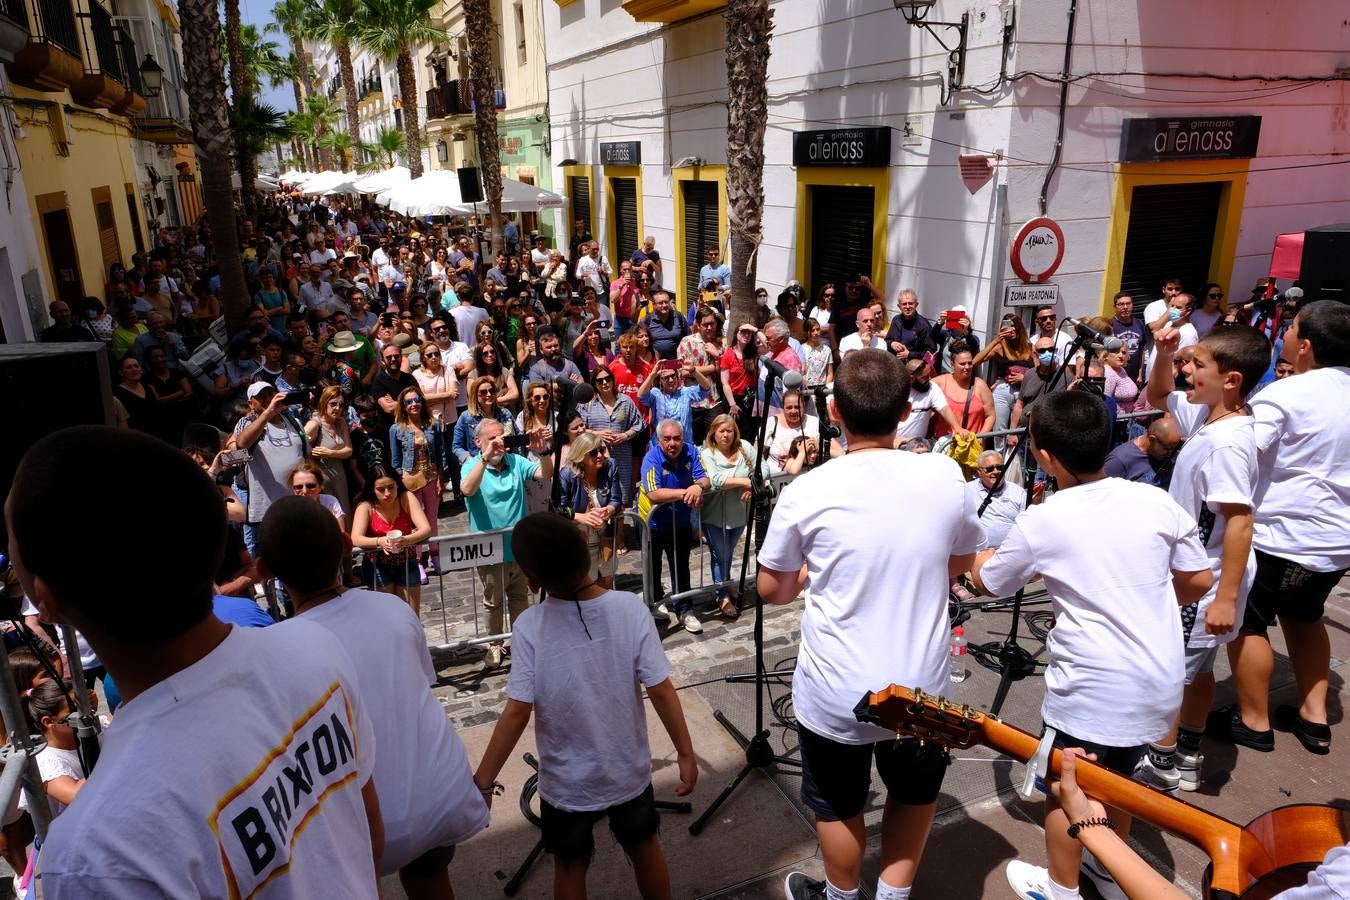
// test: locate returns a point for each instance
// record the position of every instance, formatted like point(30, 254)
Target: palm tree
point(300, 126)
point(334, 22)
point(262, 59)
point(390, 29)
point(234, 49)
point(479, 30)
point(205, 69)
point(339, 143)
point(389, 144)
point(323, 115)
point(257, 57)
point(749, 24)
point(288, 17)
point(256, 127)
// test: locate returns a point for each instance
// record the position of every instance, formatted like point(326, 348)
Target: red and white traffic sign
point(1037, 250)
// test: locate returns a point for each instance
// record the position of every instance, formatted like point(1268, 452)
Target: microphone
point(582, 393)
point(778, 370)
point(1109, 342)
point(792, 379)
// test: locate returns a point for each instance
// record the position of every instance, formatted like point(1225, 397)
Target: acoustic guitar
point(1272, 853)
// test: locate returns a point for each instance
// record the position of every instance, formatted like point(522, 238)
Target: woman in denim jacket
point(418, 453)
point(590, 488)
point(482, 405)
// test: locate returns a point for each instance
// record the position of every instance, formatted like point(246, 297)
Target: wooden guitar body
point(1274, 852)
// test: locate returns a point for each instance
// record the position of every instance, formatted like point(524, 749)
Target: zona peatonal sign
point(842, 147)
point(621, 153)
point(1155, 140)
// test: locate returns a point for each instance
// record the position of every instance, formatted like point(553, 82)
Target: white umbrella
point(375, 182)
point(436, 193)
point(517, 196)
point(260, 183)
point(323, 181)
point(291, 175)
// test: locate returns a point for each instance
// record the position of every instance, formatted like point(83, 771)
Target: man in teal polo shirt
point(493, 483)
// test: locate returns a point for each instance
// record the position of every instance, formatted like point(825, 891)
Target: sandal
point(622, 551)
point(727, 607)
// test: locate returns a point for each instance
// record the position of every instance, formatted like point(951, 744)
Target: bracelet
point(496, 789)
point(1076, 827)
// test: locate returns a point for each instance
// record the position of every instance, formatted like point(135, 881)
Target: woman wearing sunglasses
point(418, 453)
point(590, 488)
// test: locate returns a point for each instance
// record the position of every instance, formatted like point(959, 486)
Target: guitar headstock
point(910, 712)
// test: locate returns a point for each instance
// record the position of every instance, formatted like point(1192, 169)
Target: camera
point(516, 441)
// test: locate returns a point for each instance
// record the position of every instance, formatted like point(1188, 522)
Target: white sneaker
point(1028, 881)
point(1100, 878)
point(692, 624)
point(1150, 773)
point(672, 620)
point(1188, 769)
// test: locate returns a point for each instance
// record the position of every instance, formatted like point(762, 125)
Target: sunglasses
point(603, 379)
point(304, 488)
point(1214, 296)
point(431, 356)
point(1045, 318)
point(596, 453)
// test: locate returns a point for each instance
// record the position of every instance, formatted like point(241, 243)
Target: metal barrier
point(1020, 430)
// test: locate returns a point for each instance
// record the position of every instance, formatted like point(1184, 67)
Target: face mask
point(762, 301)
point(1046, 357)
point(91, 314)
point(1173, 314)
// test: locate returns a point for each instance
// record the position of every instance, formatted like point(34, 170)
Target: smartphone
point(672, 365)
point(294, 397)
point(234, 457)
point(604, 334)
point(516, 441)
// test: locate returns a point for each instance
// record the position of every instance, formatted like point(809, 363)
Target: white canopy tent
point(375, 182)
point(437, 194)
point(262, 183)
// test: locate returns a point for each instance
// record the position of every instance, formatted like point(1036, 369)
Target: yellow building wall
point(99, 148)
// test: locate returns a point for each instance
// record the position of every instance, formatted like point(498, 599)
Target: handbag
point(414, 481)
point(966, 450)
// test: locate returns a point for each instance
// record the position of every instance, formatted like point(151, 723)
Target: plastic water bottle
point(958, 671)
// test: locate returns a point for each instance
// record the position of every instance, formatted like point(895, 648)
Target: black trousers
point(674, 545)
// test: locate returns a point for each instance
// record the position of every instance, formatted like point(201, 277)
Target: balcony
point(449, 99)
point(50, 60)
point(669, 10)
point(14, 33)
point(103, 85)
point(368, 86)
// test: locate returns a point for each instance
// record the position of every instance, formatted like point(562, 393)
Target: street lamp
point(152, 77)
point(915, 12)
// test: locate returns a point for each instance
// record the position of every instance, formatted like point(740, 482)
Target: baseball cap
point(399, 287)
point(258, 387)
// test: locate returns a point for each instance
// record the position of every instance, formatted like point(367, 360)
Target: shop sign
point(511, 146)
point(1016, 294)
point(621, 153)
point(842, 147)
point(1157, 140)
point(1037, 250)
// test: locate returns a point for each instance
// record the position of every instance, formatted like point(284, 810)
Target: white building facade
point(1170, 163)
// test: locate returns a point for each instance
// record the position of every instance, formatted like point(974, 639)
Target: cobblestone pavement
point(471, 695)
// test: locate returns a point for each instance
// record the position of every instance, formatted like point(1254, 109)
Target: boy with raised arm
point(1214, 480)
point(578, 660)
point(1116, 661)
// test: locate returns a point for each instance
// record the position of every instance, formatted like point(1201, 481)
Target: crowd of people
point(388, 375)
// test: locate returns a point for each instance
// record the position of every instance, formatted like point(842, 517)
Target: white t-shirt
point(52, 764)
point(332, 504)
point(422, 773)
point(875, 615)
point(458, 352)
point(227, 780)
point(1329, 881)
point(1003, 509)
point(922, 405)
point(1303, 494)
point(467, 319)
point(778, 437)
point(1116, 655)
point(854, 342)
point(1216, 465)
point(1154, 311)
point(590, 723)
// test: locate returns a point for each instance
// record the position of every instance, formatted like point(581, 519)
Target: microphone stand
point(758, 751)
point(1015, 663)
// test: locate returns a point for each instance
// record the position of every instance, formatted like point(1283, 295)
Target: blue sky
point(259, 12)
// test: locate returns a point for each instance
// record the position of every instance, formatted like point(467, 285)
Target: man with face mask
point(1034, 383)
point(925, 401)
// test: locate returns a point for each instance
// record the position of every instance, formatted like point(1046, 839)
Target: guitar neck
point(1217, 836)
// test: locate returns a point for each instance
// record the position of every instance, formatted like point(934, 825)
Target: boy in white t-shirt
point(1301, 534)
point(1116, 659)
point(241, 763)
point(427, 797)
point(1214, 480)
point(577, 661)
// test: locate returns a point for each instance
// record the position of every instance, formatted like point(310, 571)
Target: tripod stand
point(758, 752)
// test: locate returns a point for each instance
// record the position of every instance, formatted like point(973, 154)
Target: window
point(522, 56)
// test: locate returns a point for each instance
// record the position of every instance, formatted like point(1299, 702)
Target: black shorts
point(836, 777)
point(567, 834)
point(1117, 759)
point(435, 860)
point(1285, 590)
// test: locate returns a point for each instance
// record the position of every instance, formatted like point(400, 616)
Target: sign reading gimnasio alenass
point(1156, 140)
point(842, 147)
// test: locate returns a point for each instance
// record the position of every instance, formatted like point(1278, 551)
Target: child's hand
point(1221, 616)
point(688, 774)
point(1077, 805)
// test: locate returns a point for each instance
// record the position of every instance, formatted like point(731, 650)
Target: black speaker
point(470, 186)
point(1324, 273)
point(47, 387)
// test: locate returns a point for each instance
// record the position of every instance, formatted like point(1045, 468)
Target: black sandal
point(1314, 737)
